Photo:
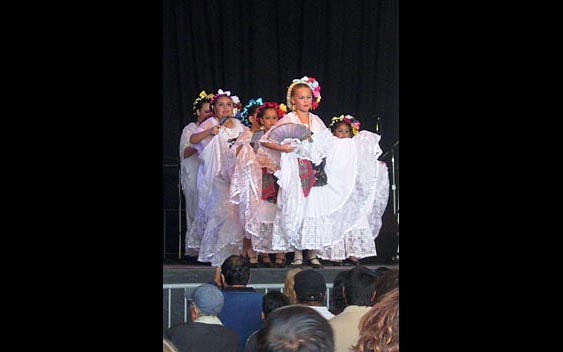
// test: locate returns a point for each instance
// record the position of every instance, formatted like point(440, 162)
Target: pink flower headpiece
point(349, 119)
point(312, 83)
point(281, 109)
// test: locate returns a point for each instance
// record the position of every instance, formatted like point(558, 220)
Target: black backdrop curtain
point(256, 48)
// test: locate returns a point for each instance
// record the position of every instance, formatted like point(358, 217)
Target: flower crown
point(236, 101)
point(281, 109)
point(202, 96)
point(351, 120)
point(246, 110)
point(312, 83)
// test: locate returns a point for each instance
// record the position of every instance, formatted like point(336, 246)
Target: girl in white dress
point(217, 231)
point(246, 175)
point(288, 224)
point(372, 179)
point(323, 191)
point(189, 164)
point(257, 188)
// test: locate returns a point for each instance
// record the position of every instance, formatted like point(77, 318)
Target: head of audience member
point(379, 327)
point(310, 287)
point(272, 301)
point(295, 328)
point(381, 270)
point(168, 346)
point(337, 300)
point(235, 271)
point(288, 287)
point(388, 281)
point(359, 289)
point(205, 300)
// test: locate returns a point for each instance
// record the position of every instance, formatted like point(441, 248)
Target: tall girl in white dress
point(288, 225)
point(322, 190)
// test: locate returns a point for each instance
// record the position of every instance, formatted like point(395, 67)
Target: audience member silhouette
point(310, 289)
point(358, 292)
point(295, 328)
point(272, 301)
point(205, 332)
point(337, 300)
point(388, 281)
point(243, 305)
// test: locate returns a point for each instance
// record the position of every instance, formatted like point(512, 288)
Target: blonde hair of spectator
point(288, 289)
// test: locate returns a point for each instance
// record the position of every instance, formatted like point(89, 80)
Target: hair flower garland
point(349, 119)
point(312, 83)
point(246, 110)
point(203, 96)
point(281, 109)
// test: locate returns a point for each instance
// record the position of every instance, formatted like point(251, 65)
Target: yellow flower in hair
point(283, 108)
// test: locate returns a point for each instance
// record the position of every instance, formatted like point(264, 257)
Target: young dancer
point(372, 180)
point(303, 95)
point(217, 230)
point(190, 161)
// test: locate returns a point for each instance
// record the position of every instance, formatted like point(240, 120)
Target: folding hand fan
point(289, 130)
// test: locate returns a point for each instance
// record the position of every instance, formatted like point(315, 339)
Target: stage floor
point(188, 271)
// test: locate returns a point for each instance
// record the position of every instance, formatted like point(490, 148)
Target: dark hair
point(360, 286)
point(262, 111)
point(272, 301)
point(380, 271)
point(388, 281)
point(335, 126)
point(252, 109)
point(295, 328)
point(199, 104)
point(337, 300)
point(236, 270)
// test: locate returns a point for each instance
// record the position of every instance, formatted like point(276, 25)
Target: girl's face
point(342, 131)
point(223, 107)
point(302, 99)
point(269, 118)
point(204, 112)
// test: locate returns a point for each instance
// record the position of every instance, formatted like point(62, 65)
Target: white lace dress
point(256, 214)
point(188, 178)
point(338, 218)
point(217, 231)
point(309, 222)
point(372, 188)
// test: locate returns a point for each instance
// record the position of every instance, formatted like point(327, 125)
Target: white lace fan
point(289, 130)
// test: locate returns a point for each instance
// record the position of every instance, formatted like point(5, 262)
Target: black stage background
point(256, 48)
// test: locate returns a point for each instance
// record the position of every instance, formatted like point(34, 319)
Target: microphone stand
point(180, 212)
point(394, 184)
point(394, 189)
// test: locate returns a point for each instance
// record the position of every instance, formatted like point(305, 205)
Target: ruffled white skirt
point(217, 232)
